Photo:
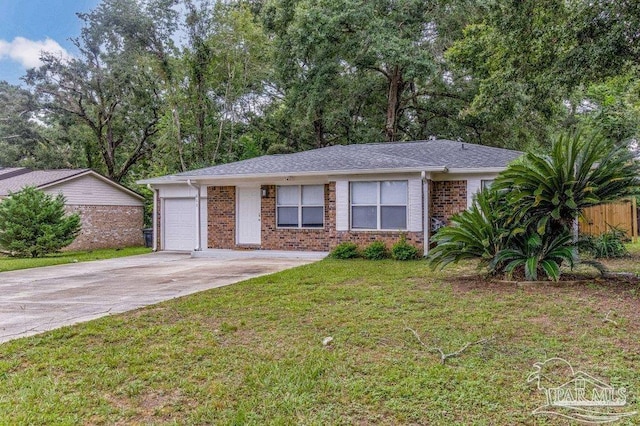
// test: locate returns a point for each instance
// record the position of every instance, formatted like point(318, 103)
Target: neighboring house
point(314, 200)
point(112, 215)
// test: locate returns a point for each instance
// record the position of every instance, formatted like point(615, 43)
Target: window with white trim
point(379, 205)
point(300, 206)
point(486, 184)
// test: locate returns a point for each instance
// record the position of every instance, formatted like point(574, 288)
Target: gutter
point(198, 246)
point(185, 178)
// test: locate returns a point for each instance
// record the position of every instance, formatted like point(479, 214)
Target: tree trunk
point(176, 122)
point(396, 86)
point(318, 131)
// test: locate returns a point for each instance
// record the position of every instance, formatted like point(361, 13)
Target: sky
point(29, 26)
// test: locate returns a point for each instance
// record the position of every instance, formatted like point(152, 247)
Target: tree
point(524, 222)
point(33, 224)
point(107, 88)
point(355, 71)
point(18, 135)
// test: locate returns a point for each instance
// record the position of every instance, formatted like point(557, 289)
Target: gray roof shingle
point(419, 155)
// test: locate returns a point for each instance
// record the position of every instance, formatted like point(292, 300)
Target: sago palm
point(579, 172)
point(476, 233)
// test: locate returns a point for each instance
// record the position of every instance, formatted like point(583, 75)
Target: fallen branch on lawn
point(445, 356)
point(607, 319)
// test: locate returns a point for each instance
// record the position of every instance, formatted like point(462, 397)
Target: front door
point(249, 226)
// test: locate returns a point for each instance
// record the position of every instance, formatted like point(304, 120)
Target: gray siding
point(89, 190)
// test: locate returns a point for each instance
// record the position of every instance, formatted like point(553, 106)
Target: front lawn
point(13, 263)
point(252, 353)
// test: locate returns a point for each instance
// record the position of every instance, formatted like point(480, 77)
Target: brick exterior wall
point(108, 227)
point(221, 222)
point(221, 211)
point(447, 198)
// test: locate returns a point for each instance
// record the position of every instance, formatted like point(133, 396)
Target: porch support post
point(426, 229)
point(198, 246)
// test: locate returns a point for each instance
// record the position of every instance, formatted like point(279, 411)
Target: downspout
point(425, 211)
point(198, 246)
point(154, 217)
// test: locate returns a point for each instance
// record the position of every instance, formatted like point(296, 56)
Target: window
point(486, 184)
point(300, 206)
point(379, 205)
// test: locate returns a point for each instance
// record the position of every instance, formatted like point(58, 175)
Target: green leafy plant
point(346, 250)
point(377, 250)
point(477, 233)
point(402, 250)
point(33, 224)
point(605, 246)
point(523, 225)
point(579, 172)
point(534, 254)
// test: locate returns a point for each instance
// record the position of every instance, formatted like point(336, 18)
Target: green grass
point(252, 353)
point(12, 263)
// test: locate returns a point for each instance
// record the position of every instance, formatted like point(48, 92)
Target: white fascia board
point(477, 170)
point(279, 176)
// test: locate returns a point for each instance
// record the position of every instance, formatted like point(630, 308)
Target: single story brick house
point(314, 200)
point(111, 214)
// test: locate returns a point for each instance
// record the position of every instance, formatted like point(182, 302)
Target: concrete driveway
point(36, 300)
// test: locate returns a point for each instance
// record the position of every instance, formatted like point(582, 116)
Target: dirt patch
point(612, 301)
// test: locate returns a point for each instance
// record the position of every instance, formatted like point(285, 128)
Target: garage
point(179, 224)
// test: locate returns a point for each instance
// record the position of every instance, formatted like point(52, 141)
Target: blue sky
point(30, 26)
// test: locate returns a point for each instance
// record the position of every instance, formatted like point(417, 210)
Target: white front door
point(249, 226)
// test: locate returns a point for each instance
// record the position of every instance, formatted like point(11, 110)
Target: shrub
point(33, 224)
point(346, 250)
point(608, 245)
point(523, 225)
point(477, 233)
point(531, 255)
point(377, 250)
point(402, 250)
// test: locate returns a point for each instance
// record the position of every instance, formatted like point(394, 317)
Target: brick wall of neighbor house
point(108, 227)
point(447, 198)
point(221, 211)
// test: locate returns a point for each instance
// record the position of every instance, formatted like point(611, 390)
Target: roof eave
point(477, 170)
point(175, 179)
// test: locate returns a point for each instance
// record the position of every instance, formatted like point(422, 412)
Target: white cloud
point(27, 52)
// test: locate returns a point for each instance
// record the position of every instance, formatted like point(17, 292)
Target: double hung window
point(300, 206)
point(379, 205)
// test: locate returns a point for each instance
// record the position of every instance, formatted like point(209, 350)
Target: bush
point(33, 224)
point(523, 225)
point(608, 245)
point(402, 250)
point(346, 250)
point(377, 250)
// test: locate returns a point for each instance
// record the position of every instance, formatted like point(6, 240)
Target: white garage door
point(179, 224)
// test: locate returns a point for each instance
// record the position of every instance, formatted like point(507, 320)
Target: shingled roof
point(15, 179)
point(36, 178)
point(432, 155)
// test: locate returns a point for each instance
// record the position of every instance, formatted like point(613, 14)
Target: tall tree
point(372, 69)
point(19, 137)
point(109, 89)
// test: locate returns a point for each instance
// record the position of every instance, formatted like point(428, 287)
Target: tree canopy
point(160, 86)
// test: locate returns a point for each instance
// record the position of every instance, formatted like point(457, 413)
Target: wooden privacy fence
point(599, 219)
